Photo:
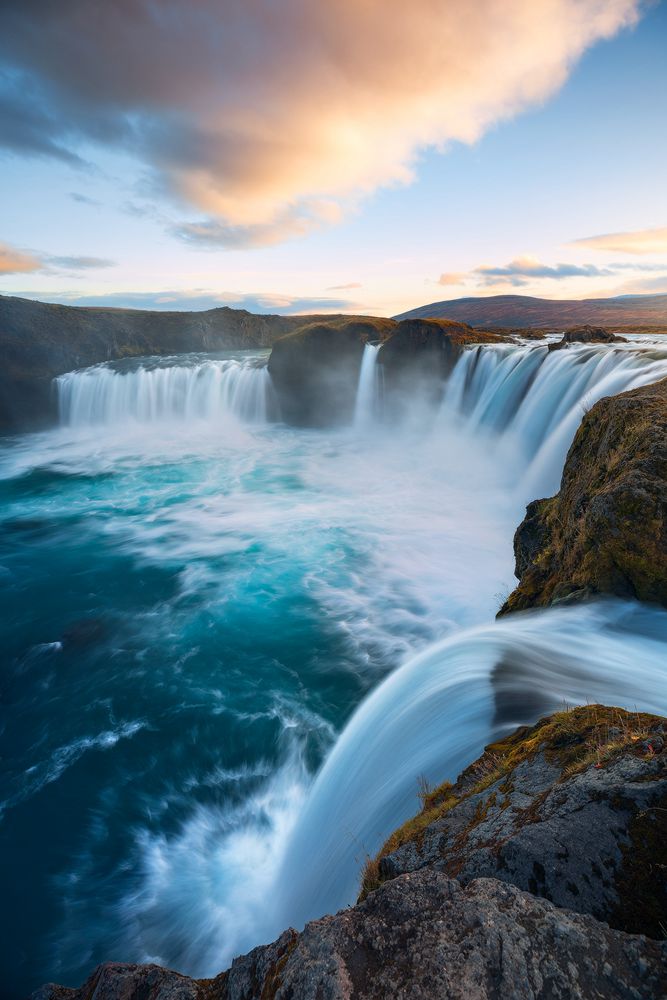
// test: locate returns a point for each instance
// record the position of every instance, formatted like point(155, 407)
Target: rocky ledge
point(605, 531)
point(540, 873)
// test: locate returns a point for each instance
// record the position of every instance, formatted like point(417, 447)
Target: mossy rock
point(572, 809)
point(605, 532)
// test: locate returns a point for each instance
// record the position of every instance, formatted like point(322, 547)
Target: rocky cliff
point(315, 370)
point(605, 531)
point(540, 873)
point(39, 341)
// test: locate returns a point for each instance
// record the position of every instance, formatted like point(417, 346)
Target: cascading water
point(182, 389)
point(191, 617)
point(528, 401)
point(368, 391)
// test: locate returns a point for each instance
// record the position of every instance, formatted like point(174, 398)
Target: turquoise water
point(194, 603)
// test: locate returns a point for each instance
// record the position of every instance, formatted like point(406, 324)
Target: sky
point(353, 156)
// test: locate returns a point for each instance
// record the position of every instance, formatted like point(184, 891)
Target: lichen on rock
point(605, 531)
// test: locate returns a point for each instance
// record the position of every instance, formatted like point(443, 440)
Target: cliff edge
point(605, 531)
point(539, 873)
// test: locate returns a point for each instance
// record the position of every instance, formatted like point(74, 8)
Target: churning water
point(196, 601)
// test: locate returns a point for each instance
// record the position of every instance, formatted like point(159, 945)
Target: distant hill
point(526, 311)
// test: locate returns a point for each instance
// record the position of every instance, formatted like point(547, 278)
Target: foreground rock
point(39, 341)
point(587, 335)
point(570, 810)
point(421, 936)
point(573, 809)
point(605, 531)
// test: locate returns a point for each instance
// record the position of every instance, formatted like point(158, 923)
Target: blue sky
point(495, 215)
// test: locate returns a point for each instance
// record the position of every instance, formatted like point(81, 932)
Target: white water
point(368, 392)
point(228, 883)
point(530, 401)
point(434, 508)
point(433, 716)
point(178, 389)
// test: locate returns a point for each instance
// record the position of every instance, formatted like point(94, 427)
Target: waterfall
point(177, 389)
point(433, 716)
point(366, 406)
point(528, 401)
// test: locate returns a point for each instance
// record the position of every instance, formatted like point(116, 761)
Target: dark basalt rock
point(572, 808)
point(587, 335)
point(315, 370)
point(605, 531)
point(420, 353)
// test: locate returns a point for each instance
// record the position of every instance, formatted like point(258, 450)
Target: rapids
point(231, 648)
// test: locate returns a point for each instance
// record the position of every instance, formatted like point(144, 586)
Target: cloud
point(452, 278)
point(13, 261)
point(78, 263)
point(254, 114)
point(343, 288)
point(83, 199)
point(200, 299)
point(640, 241)
point(524, 269)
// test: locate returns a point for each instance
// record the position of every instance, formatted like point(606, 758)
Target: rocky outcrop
point(39, 341)
point(573, 809)
point(315, 370)
point(420, 353)
point(605, 531)
point(587, 335)
point(460, 903)
point(420, 936)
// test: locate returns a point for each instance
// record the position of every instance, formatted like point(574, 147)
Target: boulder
point(605, 531)
point(315, 370)
point(587, 335)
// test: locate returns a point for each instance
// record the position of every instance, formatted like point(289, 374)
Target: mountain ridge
point(524, 311)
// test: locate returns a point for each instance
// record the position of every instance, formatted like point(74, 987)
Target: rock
point(605, 532)
point(420, 353)
point(573, 809)
point(570, 810)
point(587, 335)
point(315, 370)
point(421, 936)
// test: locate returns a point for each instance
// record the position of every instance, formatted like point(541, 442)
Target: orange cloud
point(13, 261)
point(640, 241)
point(269, 115)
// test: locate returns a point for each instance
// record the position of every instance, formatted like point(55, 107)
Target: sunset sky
point(355, 155)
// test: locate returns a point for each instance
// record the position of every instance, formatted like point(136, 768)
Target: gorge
point(257, 633)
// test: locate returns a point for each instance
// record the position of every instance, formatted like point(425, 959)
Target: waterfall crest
point(178, 389)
